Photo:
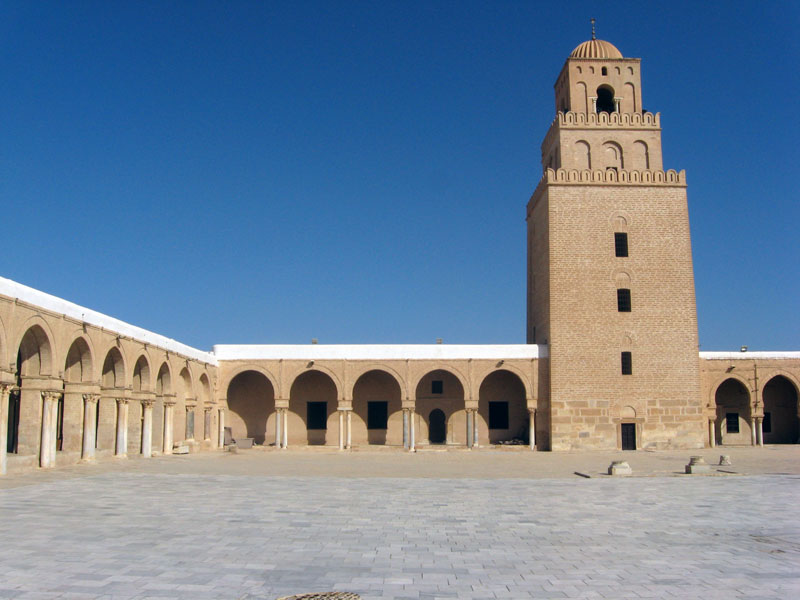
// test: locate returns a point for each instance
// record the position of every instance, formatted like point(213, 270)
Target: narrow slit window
point(624, 300)
point(621, 244)
point(627, 363)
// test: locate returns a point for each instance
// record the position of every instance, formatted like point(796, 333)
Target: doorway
point(437, 430)
point(628, 436)
point(12, 439)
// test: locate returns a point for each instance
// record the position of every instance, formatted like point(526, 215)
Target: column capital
point(91, 398)
point(5, 388)
point(147, 402)
point(531, 410)
point(122, 400)
point(169, 401)
point(208, 409)
point(51, 395)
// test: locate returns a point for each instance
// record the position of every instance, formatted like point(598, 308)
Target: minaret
point(610, 276)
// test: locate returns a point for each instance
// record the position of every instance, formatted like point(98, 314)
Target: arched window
point(605, 99)
point(605, 71)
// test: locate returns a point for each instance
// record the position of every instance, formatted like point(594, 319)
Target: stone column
point(167, 445)
point(285, 427)
point(57, 396)
point(207, 424)
point(89, 422)
point(712, 433)
point(5, 390)
point(470, 429)
point(752, 431)
point(47, 449)
point(412, 442)
point(475, 440)
point(760, 431)
point(147, 428)
point(532, 428)
point(122, 428)
point(405, 428)
point(349, 429)
point(341, 429)
point(188, 433)
point(278, 428)
point(221, 429)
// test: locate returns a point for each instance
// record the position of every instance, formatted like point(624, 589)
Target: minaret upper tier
point(600, 123)
point(596, 77)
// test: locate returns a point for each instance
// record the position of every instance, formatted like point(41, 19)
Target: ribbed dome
point(596, 49)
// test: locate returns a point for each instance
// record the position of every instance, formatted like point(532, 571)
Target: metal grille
point(324, 596)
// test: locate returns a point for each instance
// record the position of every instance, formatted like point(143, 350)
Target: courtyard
point(386, 524)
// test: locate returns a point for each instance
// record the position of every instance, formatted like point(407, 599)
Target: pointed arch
point(465, 387)
point(440, 404)
point(35, 351)
point(113, 373)
point(205, 389)
point(142, 376)
point(780, 397)
point(225, 383)
point(164, 379)
point(583, 155)
point(503, 407)
point(612, 156)
point(640, 159)
point(322, 369)
point(251, 406)
point(362, 369)
point(377, 407)
point(313, 400)
point(3, 344)
point(185, 384)
point(79, 362)
point(734, 420)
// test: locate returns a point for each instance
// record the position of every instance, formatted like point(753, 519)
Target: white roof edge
point(377, 351)
point(12, 289)
point(749, 355)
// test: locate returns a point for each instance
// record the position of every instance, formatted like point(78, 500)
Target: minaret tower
point(610, 276)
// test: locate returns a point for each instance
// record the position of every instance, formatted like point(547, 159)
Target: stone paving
point(128, 535)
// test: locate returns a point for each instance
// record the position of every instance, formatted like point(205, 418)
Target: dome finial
point(594, 37)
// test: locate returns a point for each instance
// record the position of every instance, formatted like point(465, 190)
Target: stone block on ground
point(697, 464)
point(620, 467)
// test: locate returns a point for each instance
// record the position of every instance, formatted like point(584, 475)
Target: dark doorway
point(13, 422)
point(437, 431)
point(629, 436)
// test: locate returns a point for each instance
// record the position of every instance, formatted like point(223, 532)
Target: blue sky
point(357, 172)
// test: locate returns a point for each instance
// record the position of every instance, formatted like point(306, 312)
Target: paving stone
point(136, 536)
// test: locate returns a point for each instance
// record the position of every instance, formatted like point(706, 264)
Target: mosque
point(611, 361)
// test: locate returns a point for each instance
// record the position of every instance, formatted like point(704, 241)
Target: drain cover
point(324, 596)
